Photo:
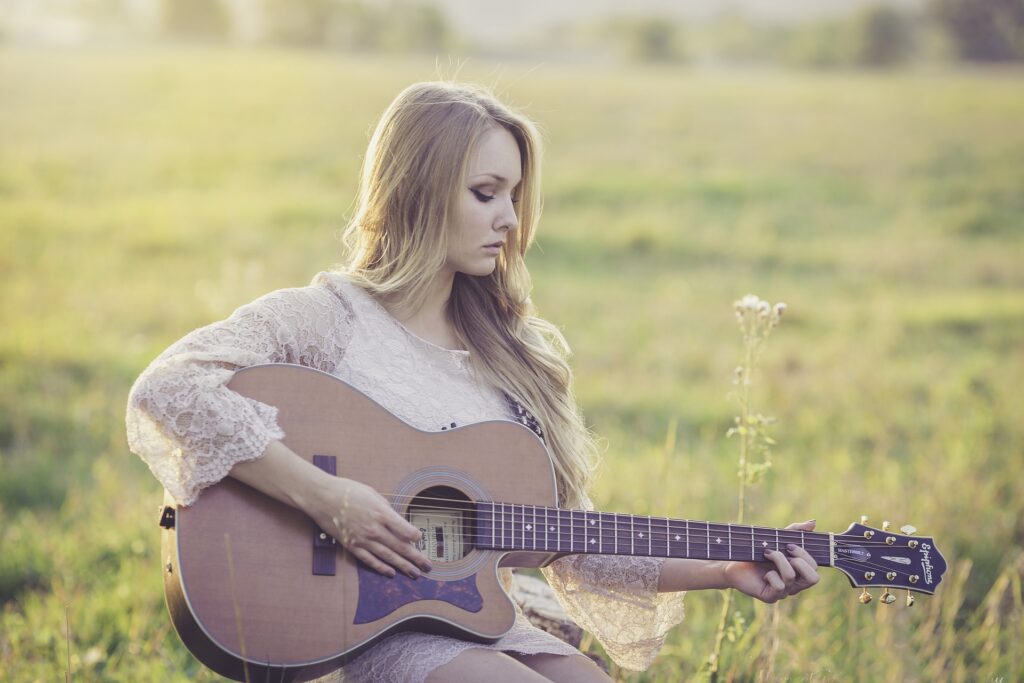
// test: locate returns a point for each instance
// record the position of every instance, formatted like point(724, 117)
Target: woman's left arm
point(789, 573)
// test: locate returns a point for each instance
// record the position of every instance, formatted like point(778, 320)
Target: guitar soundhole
point(445, 518)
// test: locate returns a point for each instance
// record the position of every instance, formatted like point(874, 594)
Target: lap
point(478, 664)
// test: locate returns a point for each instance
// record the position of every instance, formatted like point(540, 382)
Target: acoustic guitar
point(257, 592)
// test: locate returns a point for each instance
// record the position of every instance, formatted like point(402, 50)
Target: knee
point(572, 669)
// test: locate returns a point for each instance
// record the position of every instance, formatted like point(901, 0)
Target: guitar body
point(252, 591)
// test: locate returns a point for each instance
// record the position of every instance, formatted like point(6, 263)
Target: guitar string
point(517, 509)
point(689, 527)
point(820, 539)
point(819, 546)
point(866, 564)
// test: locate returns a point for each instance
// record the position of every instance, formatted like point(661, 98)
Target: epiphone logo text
point(926, 562)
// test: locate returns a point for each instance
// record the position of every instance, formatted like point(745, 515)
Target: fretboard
point(507, 526)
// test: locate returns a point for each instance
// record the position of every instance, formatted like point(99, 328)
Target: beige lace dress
point(190, 429)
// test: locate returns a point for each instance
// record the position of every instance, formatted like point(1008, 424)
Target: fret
point(616, 519)
point(668, 532)
point(777, 539)
point(571, 533)
point(558, 529)
point(534, 523)
point(729, 530)
point(581, 517)
point(522, 530)
point(632, 547)
point(546, 546)
point(494, 526)
point(686, 527)
point(743, 540)
point(649, 535)
point(606, 522)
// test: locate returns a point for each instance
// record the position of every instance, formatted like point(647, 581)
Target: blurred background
point(163, 162)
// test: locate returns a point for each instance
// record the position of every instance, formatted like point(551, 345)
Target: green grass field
point(145, 193)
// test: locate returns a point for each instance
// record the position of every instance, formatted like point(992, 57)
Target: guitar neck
point(507, 526)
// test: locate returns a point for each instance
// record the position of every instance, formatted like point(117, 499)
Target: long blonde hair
point(397, 240)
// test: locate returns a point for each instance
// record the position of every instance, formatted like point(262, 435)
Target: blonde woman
point(430, 317)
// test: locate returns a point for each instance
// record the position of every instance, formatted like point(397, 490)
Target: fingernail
point(791, 547)
point(391, 573)
point(414, 573)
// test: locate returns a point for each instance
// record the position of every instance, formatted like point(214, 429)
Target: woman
point(431, 318)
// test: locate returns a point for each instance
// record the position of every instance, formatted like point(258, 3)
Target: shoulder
point(327, 296)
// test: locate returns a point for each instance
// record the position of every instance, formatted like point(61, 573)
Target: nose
point(507, 220)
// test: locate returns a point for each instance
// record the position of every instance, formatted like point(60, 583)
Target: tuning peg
point(908, 529)
point(865, 597)
point(887, 598)
point(910, 599)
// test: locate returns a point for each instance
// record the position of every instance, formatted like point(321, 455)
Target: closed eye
point(488, 197)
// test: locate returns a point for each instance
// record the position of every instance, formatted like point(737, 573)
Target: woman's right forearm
point(284, 475)
point(353, 513)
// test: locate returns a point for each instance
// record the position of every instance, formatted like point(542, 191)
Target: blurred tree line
point(873, 36)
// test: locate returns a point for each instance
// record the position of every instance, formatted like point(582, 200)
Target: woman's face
point(486, 211)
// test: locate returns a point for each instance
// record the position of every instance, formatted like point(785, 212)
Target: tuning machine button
point(865, 597)
point(885, 525)
point(887, 598)
point(910, 599)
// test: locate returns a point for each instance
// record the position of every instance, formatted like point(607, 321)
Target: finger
point(372, 562)
point(406, 534)
point(781, 562)
point(772, 578)
point(804, 526)
point(394, 559)
point(402, 528)
point(807, 573)
point(409, 552)
point(797, 551)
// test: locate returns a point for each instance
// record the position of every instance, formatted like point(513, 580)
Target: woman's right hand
point(368, 527)
point(353, 513)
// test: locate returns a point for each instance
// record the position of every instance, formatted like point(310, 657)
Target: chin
point(480, 269)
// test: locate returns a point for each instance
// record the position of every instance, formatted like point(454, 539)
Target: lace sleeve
point(616, 599)
point(188, 426)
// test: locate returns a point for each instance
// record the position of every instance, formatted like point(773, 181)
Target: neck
point(428, 317)
point(508, 526)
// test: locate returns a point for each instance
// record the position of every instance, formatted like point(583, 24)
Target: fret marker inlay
point(677, 537)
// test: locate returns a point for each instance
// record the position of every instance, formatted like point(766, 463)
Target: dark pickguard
point(380, 595)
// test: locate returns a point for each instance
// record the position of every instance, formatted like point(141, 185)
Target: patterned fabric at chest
point(523, 416)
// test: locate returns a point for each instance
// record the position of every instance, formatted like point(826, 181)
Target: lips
point(499, 245)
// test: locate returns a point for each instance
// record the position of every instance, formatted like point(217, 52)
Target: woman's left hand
point(789, 572)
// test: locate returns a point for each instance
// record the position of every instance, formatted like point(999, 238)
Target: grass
point(146, 193)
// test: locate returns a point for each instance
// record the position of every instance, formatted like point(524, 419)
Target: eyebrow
point(499, 178)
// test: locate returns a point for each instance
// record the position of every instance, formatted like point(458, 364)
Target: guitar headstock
point(880, 557)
